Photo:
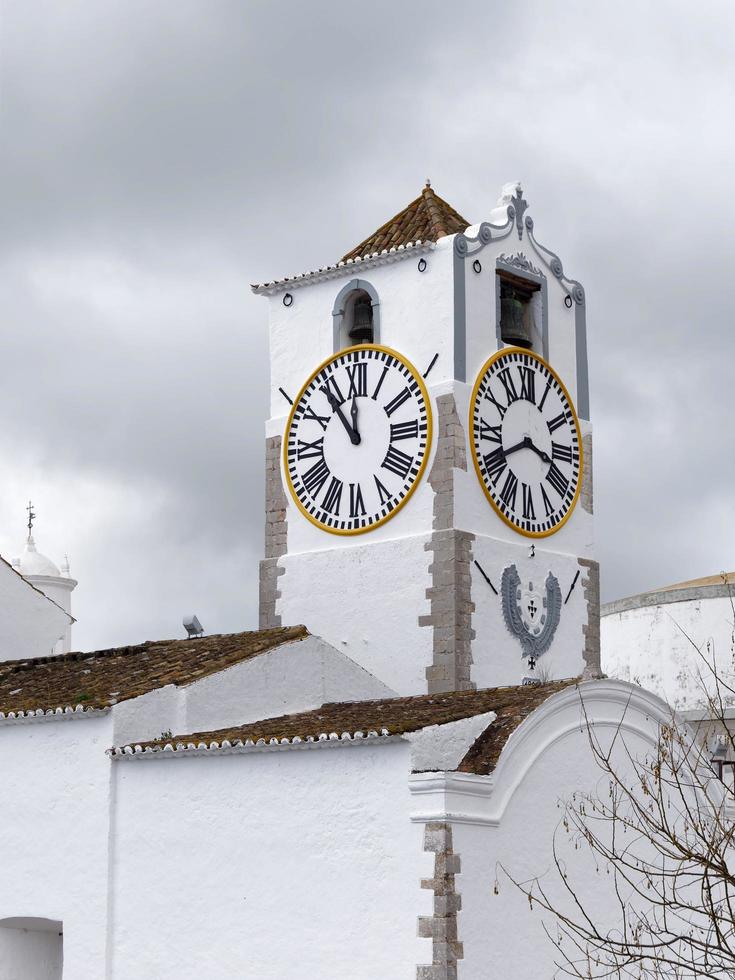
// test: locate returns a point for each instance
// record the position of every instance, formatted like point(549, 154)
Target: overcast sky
point(160, 155)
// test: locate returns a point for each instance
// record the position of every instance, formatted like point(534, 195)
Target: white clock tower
point(429, 454)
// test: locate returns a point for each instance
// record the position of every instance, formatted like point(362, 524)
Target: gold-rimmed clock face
point(357, 439)
point(526, 442)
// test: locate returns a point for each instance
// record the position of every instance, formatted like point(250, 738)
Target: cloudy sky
point(160, 155)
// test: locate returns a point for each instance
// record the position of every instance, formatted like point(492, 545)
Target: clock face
point(357, 439)
point(526, 443)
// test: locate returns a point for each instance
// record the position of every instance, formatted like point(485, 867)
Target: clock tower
point(429, 454)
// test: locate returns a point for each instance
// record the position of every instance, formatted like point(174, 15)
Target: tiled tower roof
point(426, 219)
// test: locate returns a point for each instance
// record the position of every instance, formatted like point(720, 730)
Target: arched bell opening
point(356, 315)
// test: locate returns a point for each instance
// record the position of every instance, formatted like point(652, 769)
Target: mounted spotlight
point(193, 627)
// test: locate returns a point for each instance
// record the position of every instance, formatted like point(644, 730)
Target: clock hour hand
point(336, 408)
point(353, 415)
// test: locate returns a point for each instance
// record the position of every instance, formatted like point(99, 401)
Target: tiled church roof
point(426, 219)
point(384, 717)
point(105, 677)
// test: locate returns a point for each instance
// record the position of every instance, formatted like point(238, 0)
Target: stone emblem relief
point(530, 613)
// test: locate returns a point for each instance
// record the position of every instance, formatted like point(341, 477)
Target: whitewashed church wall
point(54, 813)
point(521, 843)
point(651, 645)
point(31, 624)
point(294, 677)
point(385, 593)
point(281, 864)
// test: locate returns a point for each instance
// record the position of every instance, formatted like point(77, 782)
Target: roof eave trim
point(386, 257)
point(176, 748)
point(66, 712)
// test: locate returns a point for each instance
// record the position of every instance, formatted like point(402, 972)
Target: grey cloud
point(159, 157)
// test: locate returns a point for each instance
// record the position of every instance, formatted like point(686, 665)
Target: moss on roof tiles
point(105, 677)
point(426, 219)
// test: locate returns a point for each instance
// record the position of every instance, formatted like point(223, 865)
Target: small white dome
point(32, 562)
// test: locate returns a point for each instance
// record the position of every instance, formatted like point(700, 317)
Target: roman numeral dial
point(357, 439)
point(526, 442)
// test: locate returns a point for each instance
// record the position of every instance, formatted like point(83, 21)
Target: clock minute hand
point(352, 433)
point(525, 443)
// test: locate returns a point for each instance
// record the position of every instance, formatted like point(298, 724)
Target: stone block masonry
point(276, 536)
point(441, 927)
point(591, 629)
point(586, 496)
point(450, 592)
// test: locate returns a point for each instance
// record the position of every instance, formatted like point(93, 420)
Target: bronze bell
point(514, 316)
point(362, 321)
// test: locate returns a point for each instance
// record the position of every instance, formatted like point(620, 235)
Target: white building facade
point(339, 801)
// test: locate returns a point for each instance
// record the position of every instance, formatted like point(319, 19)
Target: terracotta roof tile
point(426, 219)
point(396, 716)
point(104, 677)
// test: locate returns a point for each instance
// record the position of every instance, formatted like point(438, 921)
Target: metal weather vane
point(31, 517)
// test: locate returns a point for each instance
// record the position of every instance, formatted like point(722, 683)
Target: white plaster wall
point(59, 590)
point(30, 954)
point(496, 653)
point(280, 864)
point(30, 624)
point(365, 600)
point(656, 646)
point(294, 677)
point(521, 843)
point(54, 813)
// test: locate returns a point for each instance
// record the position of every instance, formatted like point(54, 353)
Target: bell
point(362, 321)
point(514, 319)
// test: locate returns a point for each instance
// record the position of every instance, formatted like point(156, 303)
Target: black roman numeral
point(556, 423)
point(396, 402)
point(397, 462)
point(494, 464)
point(357, 373)
point(323, 420)
point(547, 503)
point(528, 384)
point(333, 497)
point(510, 488)
point(491, 432)
point(305, 450)
point(564, 453)
point(547, 389)
point(404, 430)
point(379, 385)
point(357, 504)
point(330, 385)
point(557, 479)
point(315, 478)
point(382, 492)
point(502, 409)
point(510, 388)
point(529, 514)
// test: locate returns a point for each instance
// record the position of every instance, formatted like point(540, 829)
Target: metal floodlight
point(192, 626)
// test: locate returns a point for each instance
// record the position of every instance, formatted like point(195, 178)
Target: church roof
point(386, 717)
point(426, 219)
point(105, 677)
point(32, 562)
